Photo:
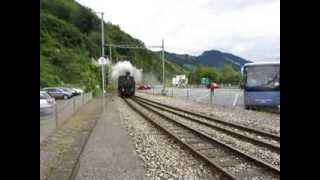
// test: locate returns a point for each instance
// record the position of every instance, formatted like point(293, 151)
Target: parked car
point(213, 85)
point(141, 87)
point(78, 91)
point(148, 86)
point(144, 87)
point(46, 103)
point(73, 92)
point(58, 93)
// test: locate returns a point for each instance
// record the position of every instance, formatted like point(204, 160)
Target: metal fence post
point(78, 105)
point(211, 96)
point(172, 92)
point(56, 114)
point(187, 93)
point(82, 99)
point(74, 105)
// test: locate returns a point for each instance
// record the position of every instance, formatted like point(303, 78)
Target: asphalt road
point(224, 97)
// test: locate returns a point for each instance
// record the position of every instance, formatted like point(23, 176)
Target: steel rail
point(215, 119)
point(224, 173)
point(272, 147)
point(208, 139)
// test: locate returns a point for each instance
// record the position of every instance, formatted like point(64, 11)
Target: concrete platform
point(109, 153)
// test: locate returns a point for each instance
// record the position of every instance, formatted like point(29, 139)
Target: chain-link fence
point(61, 111)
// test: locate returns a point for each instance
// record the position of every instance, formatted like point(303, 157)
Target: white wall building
point(180, 81)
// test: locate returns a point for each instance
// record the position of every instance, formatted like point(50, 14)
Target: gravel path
point(59, 152)
point(163, 157)
point(263, 120)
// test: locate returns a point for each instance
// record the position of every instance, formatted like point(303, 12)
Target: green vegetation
point(226, 74)
point(70, 39)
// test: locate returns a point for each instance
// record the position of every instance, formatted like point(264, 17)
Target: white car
point(79, 91)
point(46, 103)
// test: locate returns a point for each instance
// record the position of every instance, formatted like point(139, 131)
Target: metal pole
point(164, 86)
point(210, 97)
point(74, 105)
point(102, 35)
point(56, 114)
point(82, 99)
point(109, 68)
point(102, 54)
point(187, 92)
point(110, 53)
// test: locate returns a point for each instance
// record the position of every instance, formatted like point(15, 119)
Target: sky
point(246, 28)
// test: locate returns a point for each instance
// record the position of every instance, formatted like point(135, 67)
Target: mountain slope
point(218, 59)
point(70, 39)
point(212, 58)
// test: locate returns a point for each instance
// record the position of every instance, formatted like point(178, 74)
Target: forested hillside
point(70, 38)
point(213, 58)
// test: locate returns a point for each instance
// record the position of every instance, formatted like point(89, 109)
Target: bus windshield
point(262, 77)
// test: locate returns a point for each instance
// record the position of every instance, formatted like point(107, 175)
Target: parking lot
point(222, 96)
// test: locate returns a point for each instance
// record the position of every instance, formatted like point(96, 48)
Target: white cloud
point(247, 28)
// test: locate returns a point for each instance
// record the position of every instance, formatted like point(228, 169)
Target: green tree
point(229, 75)
point(85, 20)
point(203, 71)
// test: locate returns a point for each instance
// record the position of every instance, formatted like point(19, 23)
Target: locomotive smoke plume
point(120, 69)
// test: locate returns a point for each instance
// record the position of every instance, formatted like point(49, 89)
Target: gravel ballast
point(239, 165)
point(251, 149)
point(163, 157)
point(269, 122)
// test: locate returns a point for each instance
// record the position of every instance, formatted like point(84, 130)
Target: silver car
point(73, 92)
point(46, 103)
point(58, 93)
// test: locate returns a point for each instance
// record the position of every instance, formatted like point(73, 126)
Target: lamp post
point(102, 61)
point(162, 57)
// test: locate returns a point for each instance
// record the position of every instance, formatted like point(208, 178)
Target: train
point(126, 85)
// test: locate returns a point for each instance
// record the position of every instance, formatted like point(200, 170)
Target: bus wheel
point(247, 107)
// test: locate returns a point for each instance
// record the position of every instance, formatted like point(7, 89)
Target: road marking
point(235, 99)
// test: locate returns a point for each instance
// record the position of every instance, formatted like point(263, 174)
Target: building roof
point(263, 63)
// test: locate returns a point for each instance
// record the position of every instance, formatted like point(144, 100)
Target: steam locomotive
point(126, 85)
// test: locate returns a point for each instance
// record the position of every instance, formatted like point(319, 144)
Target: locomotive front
point(126, 85)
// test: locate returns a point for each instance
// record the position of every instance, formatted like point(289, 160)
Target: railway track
point(270, 140)
point(229, 162)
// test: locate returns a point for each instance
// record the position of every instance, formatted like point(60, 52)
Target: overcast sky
point(247, 28)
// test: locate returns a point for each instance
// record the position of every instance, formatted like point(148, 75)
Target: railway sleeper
point(193, 142)
point(250, 174)
point(227, 162)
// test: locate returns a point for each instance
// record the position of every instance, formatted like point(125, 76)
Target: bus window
point(262, 76)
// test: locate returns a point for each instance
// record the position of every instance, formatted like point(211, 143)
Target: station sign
point(103, 61)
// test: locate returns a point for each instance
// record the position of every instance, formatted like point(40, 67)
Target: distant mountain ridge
point(213, 58)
